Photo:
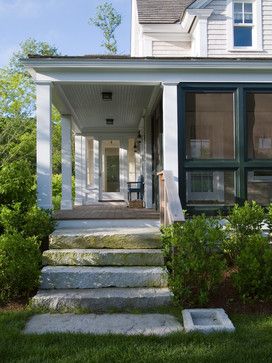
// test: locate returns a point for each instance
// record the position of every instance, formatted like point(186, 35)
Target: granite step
point(101, 300)
point(62, 277)
point(103, 257)
point(113, 238)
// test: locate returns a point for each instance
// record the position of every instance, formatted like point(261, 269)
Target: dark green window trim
point(241, 164)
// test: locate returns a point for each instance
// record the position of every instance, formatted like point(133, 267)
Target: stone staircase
point(103, 269)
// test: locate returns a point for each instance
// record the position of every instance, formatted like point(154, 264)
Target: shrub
point(247, 219)
point(269, 219)
point(20, 262)
point(38, 223)
point(253, 278)
point(34, 222)
point(197, 264)
point(243, 221)
point(17, 184)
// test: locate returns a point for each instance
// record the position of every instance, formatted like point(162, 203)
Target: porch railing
point(170, 207)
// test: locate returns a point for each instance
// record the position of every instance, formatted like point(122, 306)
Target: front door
point(110, 171)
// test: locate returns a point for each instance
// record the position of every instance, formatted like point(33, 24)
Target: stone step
point(127, 238)
point(101, 300)
point(61, 277)
point(103, 257)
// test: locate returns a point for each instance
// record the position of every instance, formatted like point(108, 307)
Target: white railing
point(170, 207)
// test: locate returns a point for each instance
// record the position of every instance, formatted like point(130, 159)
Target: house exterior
point(194, 97)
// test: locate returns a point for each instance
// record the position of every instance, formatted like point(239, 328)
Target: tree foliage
point(17, 109)
point(107, 19)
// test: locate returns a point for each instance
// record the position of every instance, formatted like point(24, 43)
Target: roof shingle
point(161, 11)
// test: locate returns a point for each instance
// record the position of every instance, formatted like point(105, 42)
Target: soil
point(226, 297)
point(16, 305)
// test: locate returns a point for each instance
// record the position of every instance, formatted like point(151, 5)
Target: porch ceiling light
point(107, 96)
point(109, 121)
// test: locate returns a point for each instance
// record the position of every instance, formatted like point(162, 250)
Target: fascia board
point(41, 66)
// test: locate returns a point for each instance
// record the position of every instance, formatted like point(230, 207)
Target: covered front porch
point(115, 129)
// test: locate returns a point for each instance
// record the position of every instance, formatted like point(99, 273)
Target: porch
point(107, 211)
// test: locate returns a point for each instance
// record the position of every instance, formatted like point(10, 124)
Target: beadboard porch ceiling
point(90, 111)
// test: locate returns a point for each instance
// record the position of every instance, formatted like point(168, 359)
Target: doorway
point(110, 171)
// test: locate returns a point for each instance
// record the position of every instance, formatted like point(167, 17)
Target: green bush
point(195, 258)
point(34, 222)
point(269, 219)
point(253, 278)
point(20, 263)
point(243, 221)
point(17, 184)
point(247, 219)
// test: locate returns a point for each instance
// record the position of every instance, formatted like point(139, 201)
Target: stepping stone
point(125, 324)
point(62, 277)
point(206, 320)
point(127, 238)
point(101, 300)
point(103, 257)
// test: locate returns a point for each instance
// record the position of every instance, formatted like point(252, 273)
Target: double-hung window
point(243, 24)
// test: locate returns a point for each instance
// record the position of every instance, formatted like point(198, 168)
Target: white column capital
point(173, 84)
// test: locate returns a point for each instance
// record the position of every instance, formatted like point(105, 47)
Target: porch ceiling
point(91, 111)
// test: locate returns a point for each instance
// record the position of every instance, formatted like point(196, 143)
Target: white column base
point(66, 205)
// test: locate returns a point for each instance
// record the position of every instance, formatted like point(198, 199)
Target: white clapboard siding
point(217, 31)
point(171, 48)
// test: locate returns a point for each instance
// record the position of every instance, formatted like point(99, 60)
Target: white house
point(194, 97)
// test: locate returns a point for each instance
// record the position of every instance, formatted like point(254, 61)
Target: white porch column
point(96, 169)
point(84, 167)
point(66, 201)
point(148, 164)
point(170, 128)
point(80, 169)
point(44, 146)
point(123, 166)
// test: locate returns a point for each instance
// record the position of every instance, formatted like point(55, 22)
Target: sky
point(63, 23)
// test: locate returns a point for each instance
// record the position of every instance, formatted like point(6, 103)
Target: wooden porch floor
point(106, 210)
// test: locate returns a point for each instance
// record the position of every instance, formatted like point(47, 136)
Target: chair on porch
point(136, 187)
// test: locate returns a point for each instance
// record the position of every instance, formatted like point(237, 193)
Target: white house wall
point(170, 48)
point(169, 40)
point(218, 31)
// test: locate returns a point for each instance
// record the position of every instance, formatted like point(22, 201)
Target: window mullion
point(241, 187)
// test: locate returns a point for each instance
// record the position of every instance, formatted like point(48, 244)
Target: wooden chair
point(136, 187)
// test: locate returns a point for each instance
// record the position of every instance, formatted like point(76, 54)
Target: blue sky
point(63, 23)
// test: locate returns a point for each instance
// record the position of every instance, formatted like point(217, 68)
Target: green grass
point(252, 342)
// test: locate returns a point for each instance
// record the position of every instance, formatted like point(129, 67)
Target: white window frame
point(257, 28)
point(218, 193)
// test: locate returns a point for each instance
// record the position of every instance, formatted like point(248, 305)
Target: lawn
point(252, 342)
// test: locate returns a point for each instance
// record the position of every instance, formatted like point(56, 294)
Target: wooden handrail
point(170, 207)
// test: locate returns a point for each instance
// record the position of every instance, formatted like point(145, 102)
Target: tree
point(17, 108)
point(107, 19)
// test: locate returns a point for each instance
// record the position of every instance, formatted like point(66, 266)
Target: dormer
point(201, 28)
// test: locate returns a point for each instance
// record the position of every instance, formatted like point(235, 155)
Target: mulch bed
point(226, 297)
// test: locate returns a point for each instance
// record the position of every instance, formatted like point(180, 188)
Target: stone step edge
point(102, 299)
point(103, 257)
point(89, 277)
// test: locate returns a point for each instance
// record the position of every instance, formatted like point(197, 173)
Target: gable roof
point(161, 11)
